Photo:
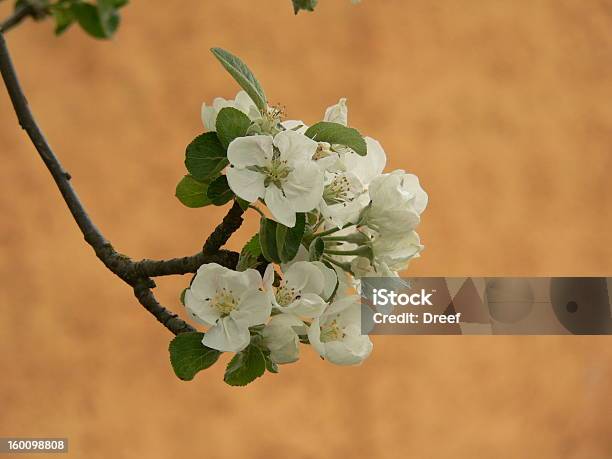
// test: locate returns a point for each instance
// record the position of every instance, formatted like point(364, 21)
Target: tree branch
point(22, 11)
point(136, 274)
point(231, 222)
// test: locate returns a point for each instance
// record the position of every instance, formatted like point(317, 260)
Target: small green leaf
point(243, 76)
point(308, 5)
point(267, 240)
point(219, 191)
point(245, 367)
point(335, 133)
point(182, 297)
point(288, 239)
point(192, 192)
point(188, 355)
point(205, 157)
point(231, 123)
point(249, 254)
point(315, 251)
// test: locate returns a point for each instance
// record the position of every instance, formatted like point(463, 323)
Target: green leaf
point(109, 17)
point(245, 367)
point(243, 76)
point(192, 192)
point(308, 5)
point(188, 355)
point(249, 254)
point(219, 191)
point(279, 243)
point(288, 239)
point(335, 133)
point(267, 240)
point(205, 157)
point(182, 296)
point(244, 205)
point(63, 15)
point(315, 251)
point(231, 123)
point(89, 19)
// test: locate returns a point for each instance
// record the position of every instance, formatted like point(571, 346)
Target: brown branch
point(137, 274)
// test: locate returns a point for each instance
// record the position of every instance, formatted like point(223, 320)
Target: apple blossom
point(304, 289)
point(229, 302)
point(397, 203)
point(278, 170)
point(280, 336)
point(336, 335)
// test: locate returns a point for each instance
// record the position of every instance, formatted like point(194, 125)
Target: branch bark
point(137, 274)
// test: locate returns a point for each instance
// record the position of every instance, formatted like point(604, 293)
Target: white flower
point(242, 102)
point(395, 251)
point(397, 202)
point(304, 290)
point(228, 301)
point(281, 337)
point(336, 335)
point(278, 170)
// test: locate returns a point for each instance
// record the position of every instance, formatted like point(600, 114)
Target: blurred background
point(501, 108)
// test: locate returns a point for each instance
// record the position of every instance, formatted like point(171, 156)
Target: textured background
point(502, 108)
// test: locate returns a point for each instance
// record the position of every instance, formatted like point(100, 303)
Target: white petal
point(308, 306)
point(246, 184)
point(330, 280)
point(295, 147)
point(304, 186)
point(281, 208)
point(268, 278)
point(206, 280)
point(369, 166)
point(254, 150)
point(350, 351)
point(341, 304)
point(227, 336)
point(209, 117)
point(337, 113)
point(314, 337)
point(200, 310)
point(305, 277)
point(295, 125)
point(411, 182)
point(254, 308)
point(239, 283)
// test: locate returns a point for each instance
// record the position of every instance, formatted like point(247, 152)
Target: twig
point(22, 11)
point(231, 222)
point(136, 274)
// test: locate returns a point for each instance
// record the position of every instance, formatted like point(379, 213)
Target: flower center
point(338, 191)
point(323, 151)
point(286, 295)
point(224, 302)
point(331, 331)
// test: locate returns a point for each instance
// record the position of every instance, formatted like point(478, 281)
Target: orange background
point(502, 109)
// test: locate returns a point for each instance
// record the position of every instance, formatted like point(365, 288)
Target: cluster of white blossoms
point(351, 220)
